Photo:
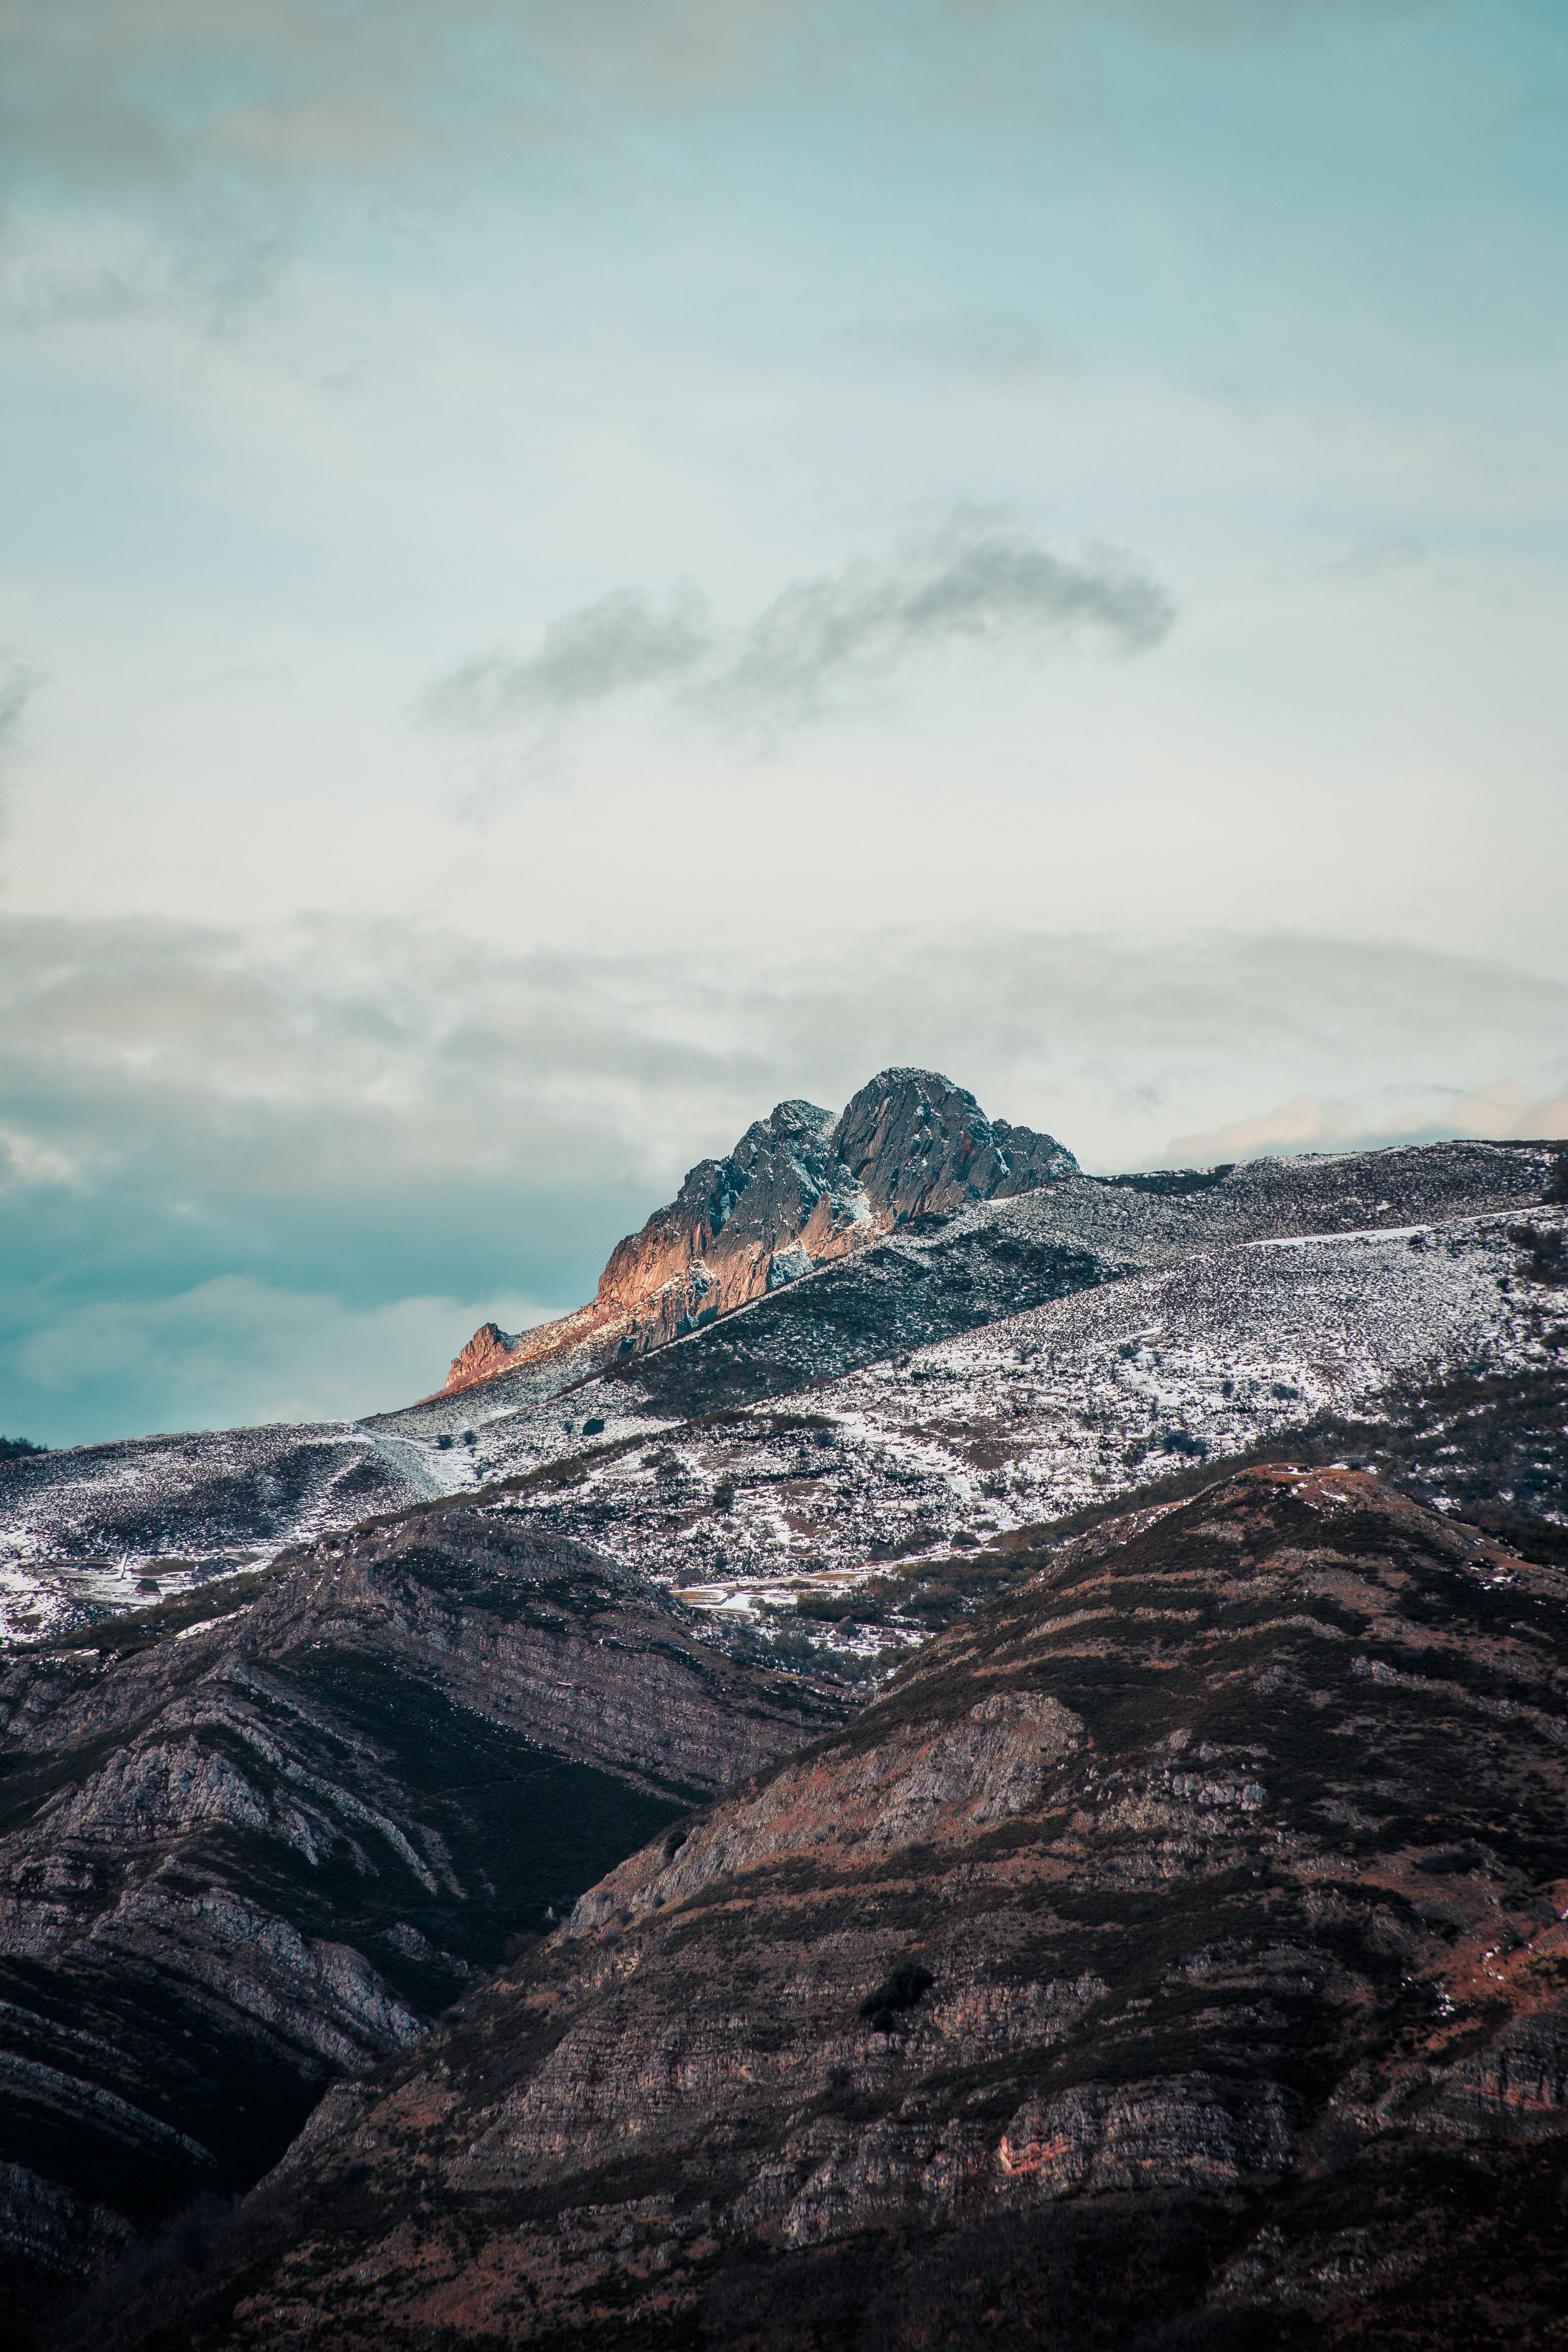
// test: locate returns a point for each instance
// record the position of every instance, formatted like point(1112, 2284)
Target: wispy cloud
point(1391, 1114)
point(822, 644)
point(19, 680)
point(216, 128)
point(609, 648)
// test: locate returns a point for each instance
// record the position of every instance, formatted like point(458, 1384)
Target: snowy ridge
point(980, 1368)
point(1072, 1402)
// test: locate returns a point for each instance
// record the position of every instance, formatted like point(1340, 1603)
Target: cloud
point(215, 130)
point(235, 1350)
point(822, 644)
point(1306, 1123)
point(1404, 1113)
point(609, 648)
point(18, 682)
point(1505, 1108)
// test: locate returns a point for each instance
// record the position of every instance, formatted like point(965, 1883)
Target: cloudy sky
point(572, 571)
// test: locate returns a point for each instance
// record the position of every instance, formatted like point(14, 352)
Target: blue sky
point(568, 574)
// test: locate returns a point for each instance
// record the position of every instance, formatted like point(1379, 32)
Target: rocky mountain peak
point(488, 1350)
point(921, 1145)
point(800, 1188)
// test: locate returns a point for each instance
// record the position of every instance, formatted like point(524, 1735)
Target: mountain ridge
point(801, 1188)
point(257, 1830)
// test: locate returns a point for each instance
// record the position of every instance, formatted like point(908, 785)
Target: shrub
point(900, 1991)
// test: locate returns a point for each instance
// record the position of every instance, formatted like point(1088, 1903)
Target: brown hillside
point(1172, 1956)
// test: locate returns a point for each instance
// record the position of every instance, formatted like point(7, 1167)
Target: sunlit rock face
point(799, 1189)
point(488, 1351)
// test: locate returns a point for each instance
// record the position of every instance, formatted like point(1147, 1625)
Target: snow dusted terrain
point(967, 1374)
point(1029, 1418)
point(108, 1526)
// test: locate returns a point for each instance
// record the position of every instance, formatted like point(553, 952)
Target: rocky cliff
point(244, 1854)
point(799, 1189)
point(1173, 1958)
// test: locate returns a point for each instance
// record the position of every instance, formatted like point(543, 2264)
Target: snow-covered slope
point(996, 1363)
point(1072, 1402)
point(89, 1530)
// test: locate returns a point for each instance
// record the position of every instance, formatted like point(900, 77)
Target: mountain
point(800, 1188)
point(1171, 1955)
point(403, 1690)
point(81, 1531)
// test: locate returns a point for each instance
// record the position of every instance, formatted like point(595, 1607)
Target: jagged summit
point(800, 1187)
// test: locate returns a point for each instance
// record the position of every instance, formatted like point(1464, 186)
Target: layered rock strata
point(1173, 1957)
point(240, 1861)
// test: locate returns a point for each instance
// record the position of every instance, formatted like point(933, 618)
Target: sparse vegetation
point(900, 1991)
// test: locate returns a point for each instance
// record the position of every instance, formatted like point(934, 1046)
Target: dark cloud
point(824, 640)
point(822, 644)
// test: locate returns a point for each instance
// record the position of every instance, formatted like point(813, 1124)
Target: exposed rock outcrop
point(800, 1188)
point(1130, 1972)
point(491, 1350)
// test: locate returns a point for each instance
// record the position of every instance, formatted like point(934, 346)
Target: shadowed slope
point(235, 1864)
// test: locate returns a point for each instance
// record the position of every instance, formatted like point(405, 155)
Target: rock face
point(800, 1188)
point(238, 1862)
point(1172, 1956)
point(489, 1350)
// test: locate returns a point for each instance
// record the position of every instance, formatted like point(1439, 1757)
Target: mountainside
point(800, 1188)
point(279, 1779)
point(99, 1528)
point(239, 1857)
point(1172, 1955)
point(80, 1530)
point(1066, 1406)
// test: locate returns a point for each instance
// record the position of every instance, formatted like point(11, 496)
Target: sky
point(570, 574)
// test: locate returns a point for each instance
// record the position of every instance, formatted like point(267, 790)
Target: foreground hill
point(1172, 1956)
point(241, 1857)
